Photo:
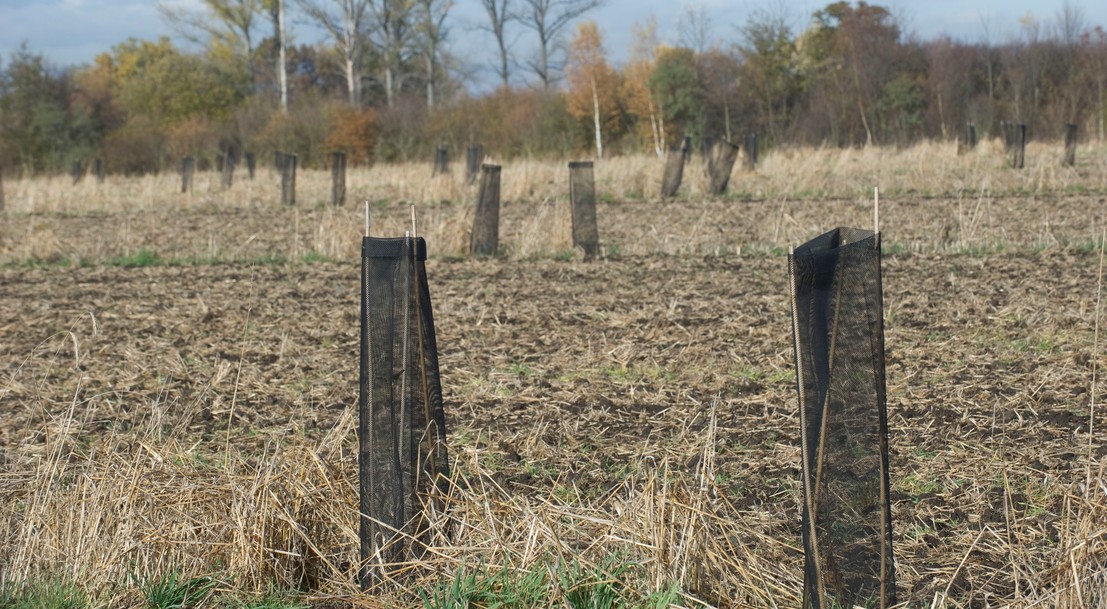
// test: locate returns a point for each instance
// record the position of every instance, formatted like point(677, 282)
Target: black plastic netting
point(582, 195)
point(837, 313)
point(402, 457)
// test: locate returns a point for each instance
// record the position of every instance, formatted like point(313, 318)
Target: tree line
point(383, 85)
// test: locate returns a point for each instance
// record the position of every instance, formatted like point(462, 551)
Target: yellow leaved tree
point(640, 100)
point(593, 84)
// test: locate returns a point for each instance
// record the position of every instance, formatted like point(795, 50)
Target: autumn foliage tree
point(593, 85)
point(1093, 53)
point(950, 86)
point(548, 18)
point(850, 57)
point(771, 80)
point(40, 127)
point(850, 78)
point(353, 131)
point(676, 88)
point(717, 72)
point(226, 23)
point(181, 100)
point(636, 92)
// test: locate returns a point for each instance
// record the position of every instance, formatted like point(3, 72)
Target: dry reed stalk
point(147, 509)
point(665, 526)
point(1094, 359)
point(1078, 577)
point(545, 229)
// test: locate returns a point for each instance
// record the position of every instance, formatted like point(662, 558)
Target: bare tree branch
point(499, 15)
point(548, 18)
point(431, 34)
point(230, 22)
point(392, 33)
point(346, 22)
point(694, 28)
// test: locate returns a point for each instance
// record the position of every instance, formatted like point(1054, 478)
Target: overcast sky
point(73, 32)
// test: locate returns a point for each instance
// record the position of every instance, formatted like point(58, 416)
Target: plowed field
point(565, 378)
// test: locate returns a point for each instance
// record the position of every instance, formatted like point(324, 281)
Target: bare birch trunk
point(1099, 118)
point(726, 117)
point(282, 69)
point(942, 114)
point(430, 80)
point(350, 78)
point(596, 119)
point(388, 84)
point(661, 126)
point(658, 148)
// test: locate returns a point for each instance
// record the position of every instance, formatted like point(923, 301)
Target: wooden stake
point(876, 209)
point(1095, 362)
point(367, 217)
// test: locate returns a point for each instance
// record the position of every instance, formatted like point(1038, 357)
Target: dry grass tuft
point(146, 508)
point(148, 505)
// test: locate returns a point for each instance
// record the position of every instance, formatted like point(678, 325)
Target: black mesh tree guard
point(228, 169)
point(751, 150)
point(1019, 160)
point(441, 160)
point(582, 195)
point(402, 458)
point(837, 315)
point(1014, 143)
point(707, 147)
point(338, 178)
point(674, 167)
point(1070, 146)
point(719, 166)
point(188, 166)
point(485, 238)
point(287, 165)
point(969, 142)
point(473, 156)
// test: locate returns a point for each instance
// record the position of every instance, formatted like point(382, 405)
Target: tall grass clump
point(43, 594)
